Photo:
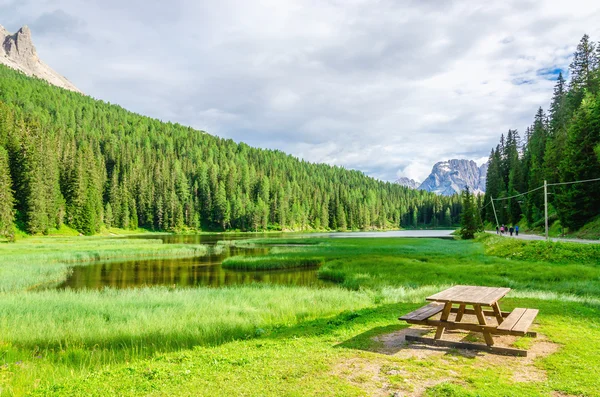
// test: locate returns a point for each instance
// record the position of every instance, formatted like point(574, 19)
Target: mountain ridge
point(453, 176)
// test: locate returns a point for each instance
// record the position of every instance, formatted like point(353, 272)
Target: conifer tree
point(580, 202)
point(469, 224)
point(7, 215)
point(584, 62)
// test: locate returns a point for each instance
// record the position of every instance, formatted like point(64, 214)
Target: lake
point(206, 271)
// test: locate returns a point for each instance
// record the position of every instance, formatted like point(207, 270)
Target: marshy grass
point(271, 262)
point(45, 262)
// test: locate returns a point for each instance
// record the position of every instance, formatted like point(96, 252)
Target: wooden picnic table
point(472, 300)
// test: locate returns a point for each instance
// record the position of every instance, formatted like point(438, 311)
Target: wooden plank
point(511, 320)
point(481, 318)
point(525, 321)
point(497, 313)
point(416, 313)
point(479, 314)
point(453, 294)
point(440, 329)
point(483, 295)
point(454, 325)
point(493, 296)
point(486, 312)
point(424, 312)
point(442, 294)
point(477, 294)
point(467, 293)
point(470, 346)
point(470, 295)
point(460, 312)
point(448, 325)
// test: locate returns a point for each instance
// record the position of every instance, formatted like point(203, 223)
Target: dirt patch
point(393, 371)
point(379, 379)
point(561, 394)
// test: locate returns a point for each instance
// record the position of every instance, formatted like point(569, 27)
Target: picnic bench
point(471, 300)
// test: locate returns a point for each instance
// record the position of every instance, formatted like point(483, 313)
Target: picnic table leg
point(487, 336)
point(498, 313)
point(445, 313)
point(461, 312)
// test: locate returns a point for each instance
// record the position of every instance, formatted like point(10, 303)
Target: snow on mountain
point(411, 183)
point(452, 176)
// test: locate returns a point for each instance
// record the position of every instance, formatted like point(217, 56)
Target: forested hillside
point(69, 159)
point(562, 146)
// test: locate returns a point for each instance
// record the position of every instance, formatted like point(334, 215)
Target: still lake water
point(206, 270)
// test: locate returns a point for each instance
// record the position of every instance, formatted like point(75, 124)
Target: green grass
point(311, 358)
point(295, 341)
point(270, 262)
point(590, 230)
point(555, 252)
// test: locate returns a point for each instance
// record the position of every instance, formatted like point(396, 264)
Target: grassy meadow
point(259, 340)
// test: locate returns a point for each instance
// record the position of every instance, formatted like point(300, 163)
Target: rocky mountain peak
point(19, 47)
point(18, 52)
point(453, 176)
point(408, 182)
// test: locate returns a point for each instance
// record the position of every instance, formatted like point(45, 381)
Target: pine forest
point(67, 159)
point(562, 147)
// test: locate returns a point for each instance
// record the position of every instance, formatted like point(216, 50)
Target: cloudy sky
point(383, 86)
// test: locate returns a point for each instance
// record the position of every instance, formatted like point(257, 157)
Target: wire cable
point(520, 194)
point(570, 183)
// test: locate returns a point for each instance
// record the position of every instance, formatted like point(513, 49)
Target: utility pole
point(546, 206)
point(495, 215)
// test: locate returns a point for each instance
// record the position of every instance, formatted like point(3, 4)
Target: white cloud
point(386, 87)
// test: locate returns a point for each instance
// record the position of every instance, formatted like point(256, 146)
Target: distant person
point(502, 229)
point(497, 230)
point(511, 230)
point(517, 230)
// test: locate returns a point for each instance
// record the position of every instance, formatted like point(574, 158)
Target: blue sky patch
point(550, 73)
point(521, 81)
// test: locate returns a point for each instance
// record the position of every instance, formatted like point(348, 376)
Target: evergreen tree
point(584, 62)
point(469, 225)
point(580, 202)
point(6, 197)
point(557, 136)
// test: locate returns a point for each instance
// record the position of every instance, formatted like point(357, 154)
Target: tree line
point(67, 159)
point(562, 145)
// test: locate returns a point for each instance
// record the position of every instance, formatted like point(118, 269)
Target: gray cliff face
point(18, 52)
point(411, 183)
point(453, 176)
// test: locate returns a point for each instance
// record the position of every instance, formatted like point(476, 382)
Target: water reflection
point(188, 272)
point(207, 270)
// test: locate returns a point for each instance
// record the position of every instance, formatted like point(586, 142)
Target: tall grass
point(34, 263)
point(270, 262)
point(118, 325)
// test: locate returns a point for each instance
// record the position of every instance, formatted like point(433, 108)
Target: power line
point(570, 183)
point(517, 195)
point(545, 187)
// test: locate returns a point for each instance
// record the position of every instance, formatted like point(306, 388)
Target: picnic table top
point(470, 295)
